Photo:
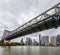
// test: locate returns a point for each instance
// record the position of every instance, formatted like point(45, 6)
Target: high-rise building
point(58, 39)
point(43, 39)
point(39, 39)
point(22, 42)
point(47, 40)
point(52, 41)
point(28, 41)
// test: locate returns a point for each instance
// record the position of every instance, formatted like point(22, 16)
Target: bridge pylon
point(5, 34)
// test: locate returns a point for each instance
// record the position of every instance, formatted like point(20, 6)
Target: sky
point(14, 13)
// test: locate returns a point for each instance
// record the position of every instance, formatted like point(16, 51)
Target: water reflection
point(29, 50)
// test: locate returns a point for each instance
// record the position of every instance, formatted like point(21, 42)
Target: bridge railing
point(54, 10)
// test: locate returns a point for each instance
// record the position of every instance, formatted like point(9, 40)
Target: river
point(29, 50)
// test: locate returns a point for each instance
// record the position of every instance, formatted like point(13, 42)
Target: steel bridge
point(47, 20)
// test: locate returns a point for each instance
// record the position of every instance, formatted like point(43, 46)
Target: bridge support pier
point(6, 42)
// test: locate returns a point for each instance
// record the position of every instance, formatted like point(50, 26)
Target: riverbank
point(20, 44)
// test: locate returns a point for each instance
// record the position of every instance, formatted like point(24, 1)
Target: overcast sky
point(14, 13)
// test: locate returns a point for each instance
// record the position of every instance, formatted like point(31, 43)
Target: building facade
point(28, 41)
point(39, 39)
point(58, 39)
point(52, 41)
point(43, 39)
point(46, 40)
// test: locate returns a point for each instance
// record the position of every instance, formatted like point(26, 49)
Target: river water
point(29, 50)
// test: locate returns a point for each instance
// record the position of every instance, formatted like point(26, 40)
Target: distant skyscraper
point(58, 39)
point(28, 41)
point(43, 39)
point(47, 40)
point(39, 39)
point(52, 40)
point(22, 42)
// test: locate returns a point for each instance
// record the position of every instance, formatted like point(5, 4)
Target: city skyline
point(43, 41)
